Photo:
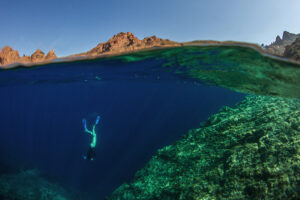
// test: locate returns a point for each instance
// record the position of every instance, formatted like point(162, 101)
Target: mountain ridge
point(125, 42)
point(278, 46)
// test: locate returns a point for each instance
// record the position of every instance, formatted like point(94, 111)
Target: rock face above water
point(51, 55)
point(278, 47)
point(9, 56)
point(38, 56)
point(120, 43)
point(293, 51)
point(126, 42)
point(250, 151)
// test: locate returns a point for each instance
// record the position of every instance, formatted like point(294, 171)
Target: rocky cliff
point(293, 51)
point(9, 56)
point(278, 47)
point(120, 43)
point(126, 42)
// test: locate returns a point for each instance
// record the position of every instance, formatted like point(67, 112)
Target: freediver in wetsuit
point(91, 152)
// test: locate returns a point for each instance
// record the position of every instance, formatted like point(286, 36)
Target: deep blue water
point(141, 111)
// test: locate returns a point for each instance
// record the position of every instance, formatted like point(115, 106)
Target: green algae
point(239, 68)
point(250, 151)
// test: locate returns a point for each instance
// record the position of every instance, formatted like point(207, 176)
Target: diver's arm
point(85, 128)
point(88, 131)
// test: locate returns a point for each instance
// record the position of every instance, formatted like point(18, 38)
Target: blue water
point(141, 111)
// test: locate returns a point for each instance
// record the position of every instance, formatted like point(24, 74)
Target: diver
point(91, 152)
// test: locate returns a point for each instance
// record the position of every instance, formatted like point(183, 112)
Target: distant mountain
point(126, 42)
point(278, 47)
point(293, 51)
point(9, 55)
point(120, 43)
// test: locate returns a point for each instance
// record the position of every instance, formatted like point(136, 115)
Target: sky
point(76, 26)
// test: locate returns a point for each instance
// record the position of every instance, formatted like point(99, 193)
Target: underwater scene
point(188, 122)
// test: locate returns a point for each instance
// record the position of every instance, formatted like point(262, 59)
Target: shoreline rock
point(128, 42)
point(9, 56)
point(293, 51)
point(278, 47)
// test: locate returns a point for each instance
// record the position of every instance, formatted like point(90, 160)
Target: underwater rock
point(293, 50)
point(29, 185)
point(250, 151)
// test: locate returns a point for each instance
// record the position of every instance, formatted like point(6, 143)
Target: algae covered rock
point(250, 151)
point(29, 185)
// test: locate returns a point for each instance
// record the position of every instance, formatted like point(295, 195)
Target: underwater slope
point(30, 185)
point(250, 151)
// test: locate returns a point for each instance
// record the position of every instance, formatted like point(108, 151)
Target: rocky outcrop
point(278, 47)
point(38, 56)
point(120, 43)
point(51, 55)
point(250, 151)
point(293, 51)
point(126, 42)
point(9, 56)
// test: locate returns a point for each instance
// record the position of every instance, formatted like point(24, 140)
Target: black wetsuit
point(91, 153)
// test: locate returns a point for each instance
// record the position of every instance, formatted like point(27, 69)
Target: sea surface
point(146, 100)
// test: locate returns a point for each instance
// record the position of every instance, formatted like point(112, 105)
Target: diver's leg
point(85, 127)
point(84, 123)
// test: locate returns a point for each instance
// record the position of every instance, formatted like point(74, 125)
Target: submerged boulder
point(250, 151)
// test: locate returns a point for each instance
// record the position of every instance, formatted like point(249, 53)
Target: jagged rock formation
point(125, 42)
point(120, 43)
point(51, 55)
point(38, 56)
point(9, 55)
point(250, 151)
point(278, 47)
point(293, 50)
